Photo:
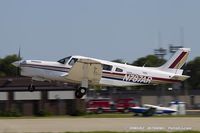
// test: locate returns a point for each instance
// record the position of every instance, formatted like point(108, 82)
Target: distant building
point(59, 99)
point(48, 98)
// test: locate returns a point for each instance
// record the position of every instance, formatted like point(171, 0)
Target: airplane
point(86, 71)
point(150, 110)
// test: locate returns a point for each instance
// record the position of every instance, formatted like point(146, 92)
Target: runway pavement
point(98, 124)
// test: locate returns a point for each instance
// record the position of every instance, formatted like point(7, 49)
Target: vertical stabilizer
point(177, 60)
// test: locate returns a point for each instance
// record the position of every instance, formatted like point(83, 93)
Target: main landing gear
point(31, 88)
point(80, 92)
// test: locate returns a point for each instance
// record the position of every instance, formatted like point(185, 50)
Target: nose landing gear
point(31, 88)
point(80, 92)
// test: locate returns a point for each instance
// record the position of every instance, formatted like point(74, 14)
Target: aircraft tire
point(31, 88)
point(83, 90)
point(126, 110)
point(78, 94)
point(99, 111)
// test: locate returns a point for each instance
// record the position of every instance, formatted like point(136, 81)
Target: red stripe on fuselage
point(154, 78)
point(27, 65)
point(47, 67)
point(166, 80)
point(178, 59)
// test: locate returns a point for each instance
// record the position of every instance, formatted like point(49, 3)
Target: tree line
point(191, 68)
point(6, 67)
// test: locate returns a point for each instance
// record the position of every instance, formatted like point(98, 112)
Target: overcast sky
point(105, 29)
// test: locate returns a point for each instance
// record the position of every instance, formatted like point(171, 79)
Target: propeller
point(19, 57)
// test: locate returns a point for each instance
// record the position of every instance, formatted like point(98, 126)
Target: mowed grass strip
point(139, 132)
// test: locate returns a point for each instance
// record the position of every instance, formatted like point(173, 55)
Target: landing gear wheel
point(126, 110)
point(78, 95)
point(31, 88)
point(80, 92)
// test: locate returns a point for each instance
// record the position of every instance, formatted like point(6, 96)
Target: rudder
point(177, 60)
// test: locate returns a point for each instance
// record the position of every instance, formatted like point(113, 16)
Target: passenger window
point(118, 70)
point(107, 67)
point(73, 60)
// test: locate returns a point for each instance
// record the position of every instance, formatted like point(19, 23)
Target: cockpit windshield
point(64, 60)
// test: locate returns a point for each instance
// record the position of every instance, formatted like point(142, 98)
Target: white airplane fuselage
point(87, 71)
point(130, 75)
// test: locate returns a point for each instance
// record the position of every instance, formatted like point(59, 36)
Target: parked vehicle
point(108, 105)
point(99, 105)
point(123, 105)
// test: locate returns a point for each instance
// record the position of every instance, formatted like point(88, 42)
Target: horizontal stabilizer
point(180, 77)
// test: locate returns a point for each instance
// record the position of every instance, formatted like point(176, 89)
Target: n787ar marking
point(137, 78)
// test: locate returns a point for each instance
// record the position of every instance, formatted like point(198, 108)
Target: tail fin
point(177, 60)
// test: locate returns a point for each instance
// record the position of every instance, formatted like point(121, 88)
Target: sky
point(104, 29)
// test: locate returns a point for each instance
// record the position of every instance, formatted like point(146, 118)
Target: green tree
point(6, 67)
point(149, 61)
point(192, 69)
point(118, 61)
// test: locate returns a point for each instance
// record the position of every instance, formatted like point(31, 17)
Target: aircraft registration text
point(137, 78)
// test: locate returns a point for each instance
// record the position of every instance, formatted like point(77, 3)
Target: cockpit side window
point(73, 61)
point(118, 70)
point(107, 67)
point(64, 60)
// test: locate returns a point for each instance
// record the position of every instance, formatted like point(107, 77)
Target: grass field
point(137, 132)
point(128, 115)
point(104, 123)
point(104, 115)
point(108, 115)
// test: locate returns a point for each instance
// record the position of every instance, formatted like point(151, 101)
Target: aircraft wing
point(150, 106)
point(145, 111)
point(85, 69)
point(139, 110)
point(161, 110)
